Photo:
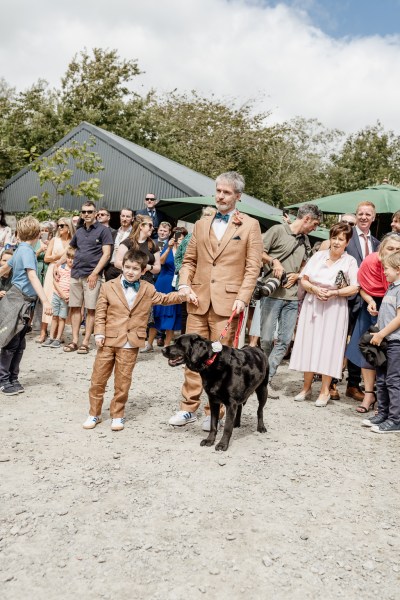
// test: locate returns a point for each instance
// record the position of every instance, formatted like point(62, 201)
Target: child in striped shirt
point(60, 302)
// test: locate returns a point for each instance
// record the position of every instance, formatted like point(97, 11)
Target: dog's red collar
point(210, 361)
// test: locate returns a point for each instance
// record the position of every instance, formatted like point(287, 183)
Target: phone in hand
point(177, 235)
point(44, 236)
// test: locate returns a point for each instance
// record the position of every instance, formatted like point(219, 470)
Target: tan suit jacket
point(119, 323)
point(220, 272)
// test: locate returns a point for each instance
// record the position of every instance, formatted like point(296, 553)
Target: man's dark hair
point(136, 256)
point(90, 203)
point(311, 210)
point(129, 209)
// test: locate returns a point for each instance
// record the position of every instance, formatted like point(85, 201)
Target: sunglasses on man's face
point(348, 222)
point(87, 212)
point(150, 199)
point(102, 214)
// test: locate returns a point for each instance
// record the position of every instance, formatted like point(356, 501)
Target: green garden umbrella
point(385, 197)
point(189, 209)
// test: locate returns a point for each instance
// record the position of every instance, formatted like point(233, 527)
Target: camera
point(267, 286)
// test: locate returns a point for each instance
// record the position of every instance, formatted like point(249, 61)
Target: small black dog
point(229, 377)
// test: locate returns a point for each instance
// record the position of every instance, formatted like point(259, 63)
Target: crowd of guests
point(148, 278)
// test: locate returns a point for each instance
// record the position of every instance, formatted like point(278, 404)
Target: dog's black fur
point(230, 379)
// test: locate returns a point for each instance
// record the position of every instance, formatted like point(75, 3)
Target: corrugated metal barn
point(130, 171)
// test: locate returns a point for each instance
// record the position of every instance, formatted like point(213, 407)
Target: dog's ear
point(199, 352)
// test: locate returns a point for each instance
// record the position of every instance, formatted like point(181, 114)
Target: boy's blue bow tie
point(222, 217)
point(133, 284)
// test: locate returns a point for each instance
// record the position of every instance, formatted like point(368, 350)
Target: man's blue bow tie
point(222, 217)
point(133, 284)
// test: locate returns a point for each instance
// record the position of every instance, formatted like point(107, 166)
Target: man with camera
point(286, 248)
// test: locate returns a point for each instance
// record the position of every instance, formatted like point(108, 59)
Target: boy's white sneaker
point(117, 424)
point(91, 422)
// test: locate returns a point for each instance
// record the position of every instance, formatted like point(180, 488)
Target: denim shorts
point(60, 307)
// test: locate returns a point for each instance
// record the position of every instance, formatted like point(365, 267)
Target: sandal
point(71, 347)
point(363, 409)
point(83, 349)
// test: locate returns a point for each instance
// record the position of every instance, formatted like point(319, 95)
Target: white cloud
point(229, 48)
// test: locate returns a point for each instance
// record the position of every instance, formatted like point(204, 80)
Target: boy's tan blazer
point(225, 271)
point(119, 323)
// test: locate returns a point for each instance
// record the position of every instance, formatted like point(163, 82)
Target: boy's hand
point(2, 293)
point(376, 339)
point(193, 299)
point(56, 273)
point(100, 342)
point(48, 310)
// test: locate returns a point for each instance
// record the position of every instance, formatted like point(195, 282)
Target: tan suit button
point(212, 281)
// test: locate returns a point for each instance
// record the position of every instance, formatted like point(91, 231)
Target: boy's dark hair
point(70, 252)
point(136, 256)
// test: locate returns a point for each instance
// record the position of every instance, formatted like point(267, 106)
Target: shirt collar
point(394, 283)
point(359, 232)
point(94, 225)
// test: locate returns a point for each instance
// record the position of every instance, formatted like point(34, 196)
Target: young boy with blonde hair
point(18, 303)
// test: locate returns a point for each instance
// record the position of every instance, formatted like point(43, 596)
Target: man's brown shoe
point(355, 393)
point(334, 394)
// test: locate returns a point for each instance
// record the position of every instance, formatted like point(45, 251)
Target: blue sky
point(355, 18)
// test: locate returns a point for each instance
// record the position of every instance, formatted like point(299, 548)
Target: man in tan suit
point(220, 266)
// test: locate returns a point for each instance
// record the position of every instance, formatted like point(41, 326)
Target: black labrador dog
point(229, 377)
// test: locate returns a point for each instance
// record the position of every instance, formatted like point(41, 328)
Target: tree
point(29, 120)
point(95, 89)
point(366, 158)
point(56, 173)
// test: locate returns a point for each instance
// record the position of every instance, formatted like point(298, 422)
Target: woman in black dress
point(140, 239)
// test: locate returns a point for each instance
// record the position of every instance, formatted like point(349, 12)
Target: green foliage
point(366, 158)
point(282, 163)
point(56, 172)
point(95, 89)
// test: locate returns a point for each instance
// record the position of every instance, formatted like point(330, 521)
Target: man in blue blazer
point(361, 244)
point(156, 215)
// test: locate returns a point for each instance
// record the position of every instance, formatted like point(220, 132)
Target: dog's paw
point(261, 429)
point(222, 446)
point(207, 442)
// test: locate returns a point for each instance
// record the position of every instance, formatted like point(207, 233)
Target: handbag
point(341, 280)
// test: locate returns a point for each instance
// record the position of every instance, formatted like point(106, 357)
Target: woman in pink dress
point(329, 278)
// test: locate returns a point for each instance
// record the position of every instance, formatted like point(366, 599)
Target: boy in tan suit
point(220, 266)
point(122, 313)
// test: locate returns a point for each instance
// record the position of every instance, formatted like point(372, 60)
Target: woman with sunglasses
point(55, 250)
point(5, 231)
point(140, 239)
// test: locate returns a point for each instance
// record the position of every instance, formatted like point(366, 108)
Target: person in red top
point(373, 287)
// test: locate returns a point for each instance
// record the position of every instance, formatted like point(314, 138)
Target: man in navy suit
point(361, 244)
point(156, 215)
